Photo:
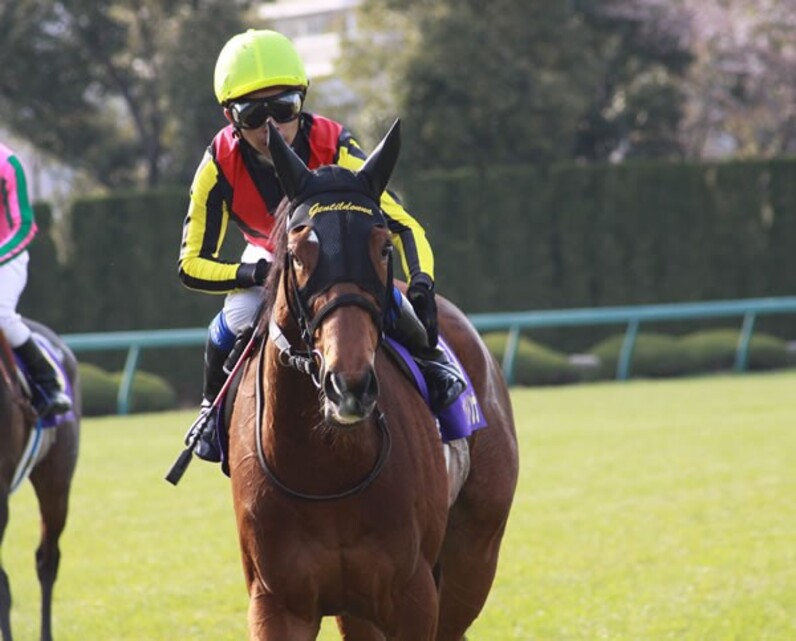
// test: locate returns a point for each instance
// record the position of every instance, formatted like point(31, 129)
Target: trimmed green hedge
point(98, 389)
point(596, 235)
point(714, 350)
point(151, 393)
point(654, 355)
point(505, 238)
point(534, 364)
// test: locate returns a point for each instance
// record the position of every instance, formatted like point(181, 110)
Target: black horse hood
point(342, 221)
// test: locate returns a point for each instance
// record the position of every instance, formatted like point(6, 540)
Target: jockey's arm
point(203, 233)
point(18, 226)
point(408, 235)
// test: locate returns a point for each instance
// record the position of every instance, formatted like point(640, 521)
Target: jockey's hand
point(251, 274)
point(421, 296)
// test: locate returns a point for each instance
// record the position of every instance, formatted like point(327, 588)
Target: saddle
point(57, 358)
point(464, 415)
point(40, 439)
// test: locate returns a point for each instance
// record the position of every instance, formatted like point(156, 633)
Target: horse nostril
point(364, 390)
point(370, 390)
point(334, 386)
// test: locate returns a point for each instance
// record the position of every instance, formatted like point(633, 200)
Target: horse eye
point(296, 261)
point(386, 251)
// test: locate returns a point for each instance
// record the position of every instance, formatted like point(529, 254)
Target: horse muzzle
point(349, 399)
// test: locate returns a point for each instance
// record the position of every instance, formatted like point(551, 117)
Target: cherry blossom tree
point(742, 86)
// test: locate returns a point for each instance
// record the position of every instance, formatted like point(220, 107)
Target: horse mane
point(278, 264)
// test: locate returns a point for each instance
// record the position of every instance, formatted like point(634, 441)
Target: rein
point(307, 364)
point(309, 361)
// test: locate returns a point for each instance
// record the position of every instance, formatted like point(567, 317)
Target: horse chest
point(355, 555)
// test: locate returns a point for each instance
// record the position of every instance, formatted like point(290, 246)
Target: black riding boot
point(443, 380)
point(214, 378)
point(49, 397)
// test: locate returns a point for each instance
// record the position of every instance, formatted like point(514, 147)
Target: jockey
point(259, 76)
point(17, 229)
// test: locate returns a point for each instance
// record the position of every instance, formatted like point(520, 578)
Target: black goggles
point(252, 114)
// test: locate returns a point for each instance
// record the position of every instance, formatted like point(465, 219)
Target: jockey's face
point(258, 138)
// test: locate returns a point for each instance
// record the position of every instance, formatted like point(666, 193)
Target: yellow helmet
point(257, 59)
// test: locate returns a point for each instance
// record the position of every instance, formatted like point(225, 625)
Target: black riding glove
point(252, 274)
point(421, 297)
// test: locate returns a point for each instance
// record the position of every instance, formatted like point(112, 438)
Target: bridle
point(309, 361)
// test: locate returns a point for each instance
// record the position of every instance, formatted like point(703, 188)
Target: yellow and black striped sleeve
point(203, 232)
point(408, 234)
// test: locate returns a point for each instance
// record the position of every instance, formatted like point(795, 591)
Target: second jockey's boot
point(445, 383)
point(214, 378)
point(49, 397)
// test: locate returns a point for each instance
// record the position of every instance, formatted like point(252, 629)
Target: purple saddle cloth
point(56, 358)
point(462, 417)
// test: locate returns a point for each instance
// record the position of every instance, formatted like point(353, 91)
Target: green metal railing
point(746, 309)
point(133, 342)
point(514, 322)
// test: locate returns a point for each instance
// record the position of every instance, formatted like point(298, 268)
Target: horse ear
point(379, 165)
point(290, 169)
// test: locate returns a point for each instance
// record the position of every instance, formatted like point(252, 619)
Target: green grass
point(646, 511)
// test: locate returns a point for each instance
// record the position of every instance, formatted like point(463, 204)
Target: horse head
point(338, 270)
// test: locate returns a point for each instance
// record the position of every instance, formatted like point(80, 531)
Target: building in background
point(48, 180)
point(316, 27)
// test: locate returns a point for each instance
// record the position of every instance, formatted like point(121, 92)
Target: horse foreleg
point(469, 561)
point(48, 555)
point(5, 606)
point(354, 629)
point(53, 503)
point(5, 589)
point(418, 608)
point(271, 621)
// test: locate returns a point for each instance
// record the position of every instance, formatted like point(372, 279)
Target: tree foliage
point(534, 82)
point(120, 88)
point(643, 53)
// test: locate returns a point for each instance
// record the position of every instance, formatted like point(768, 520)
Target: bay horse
point(338, 475)
point(52, 465)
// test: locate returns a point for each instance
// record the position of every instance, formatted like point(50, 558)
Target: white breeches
point(241, 307)
point(13, 278)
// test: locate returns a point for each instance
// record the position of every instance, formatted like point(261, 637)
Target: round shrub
point(654, 355)
point(534, 364)
point(714, 350)
point(150, 393)
point(98, 390)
